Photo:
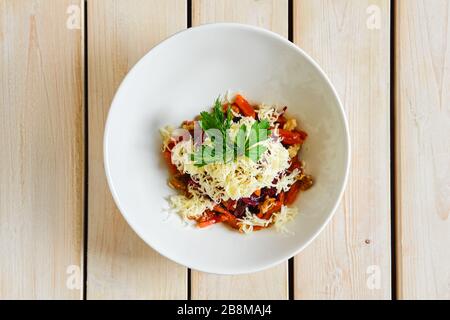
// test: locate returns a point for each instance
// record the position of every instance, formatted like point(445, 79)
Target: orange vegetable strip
point(223, 217)
point(207, 215)
point(220, 209)
point(168, 157)
point(225, 212)
point(206, 223)
point(229, 204)
point(246, 109)
point(275, 208)
point(292, 137)
point(295, 164)
point(232, 223)
point(292, 193)
point(281, 197)
point(282, 120)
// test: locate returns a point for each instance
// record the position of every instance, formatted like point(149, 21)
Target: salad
point(237, 164)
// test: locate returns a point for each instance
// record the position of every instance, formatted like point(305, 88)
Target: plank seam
point(393, 151)
point(291, 270)
point(189, 13)
point(189, 25)
point(86, 150)
point(291, 20)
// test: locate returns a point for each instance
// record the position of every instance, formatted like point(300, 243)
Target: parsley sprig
point(216, 125)
point(216, 119)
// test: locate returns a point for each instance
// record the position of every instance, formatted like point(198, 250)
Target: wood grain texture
point(269, 14)
point(272, 283)
point(423, 148)
point(355, 247)
point(41, 151)
point(121, 265)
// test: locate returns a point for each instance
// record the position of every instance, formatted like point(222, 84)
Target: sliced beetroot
point(240, 208)
point(270, 192)
point(250, 201)
point(253, 209)
point(253, 200)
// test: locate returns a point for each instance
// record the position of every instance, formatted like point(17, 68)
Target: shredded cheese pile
point(240, 178)
point(269, 113)
point(166, 134)
point(235, 179)
point(251, 220)
point(282, 217)
point(278, 219)
point(190, 208)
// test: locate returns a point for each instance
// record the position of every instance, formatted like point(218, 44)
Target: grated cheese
point(287, 180)
point(250, 220)
point(166, 135)
point(282, 217)
point(278, 219)
point(269, 113)
point(236, 179)
point(190, 208)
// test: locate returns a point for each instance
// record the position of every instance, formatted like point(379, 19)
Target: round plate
point(181, 77)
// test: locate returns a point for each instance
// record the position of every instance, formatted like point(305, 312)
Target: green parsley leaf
point(247, 141)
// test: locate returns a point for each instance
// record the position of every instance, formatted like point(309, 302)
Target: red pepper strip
point(178, 183)
point(207, 215)
point(275, 208)
point(226, 106)
point(257, 228)
point(231, 219)
point(281, 197)
point(171, 145)
point(222, 211)
point(246, 109)
point(218, 208)
point(292, 193)
point(229, 204)
point(292, 137)
point(222, 217)
point(232, 223)
point(168, 157)
point(281, 120)
point(206, 223)
point(295, 164)
point(303, 134)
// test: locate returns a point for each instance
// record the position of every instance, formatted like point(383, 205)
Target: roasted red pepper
point(292, 193)
point(245, 107)
point(295, 164)
point(275, 208)
point(168, 157)
point(207, 223)
point(292, 137)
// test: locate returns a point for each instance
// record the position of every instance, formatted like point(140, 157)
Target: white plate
point(181, 77)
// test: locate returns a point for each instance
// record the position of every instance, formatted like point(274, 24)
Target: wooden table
point(61, 235)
